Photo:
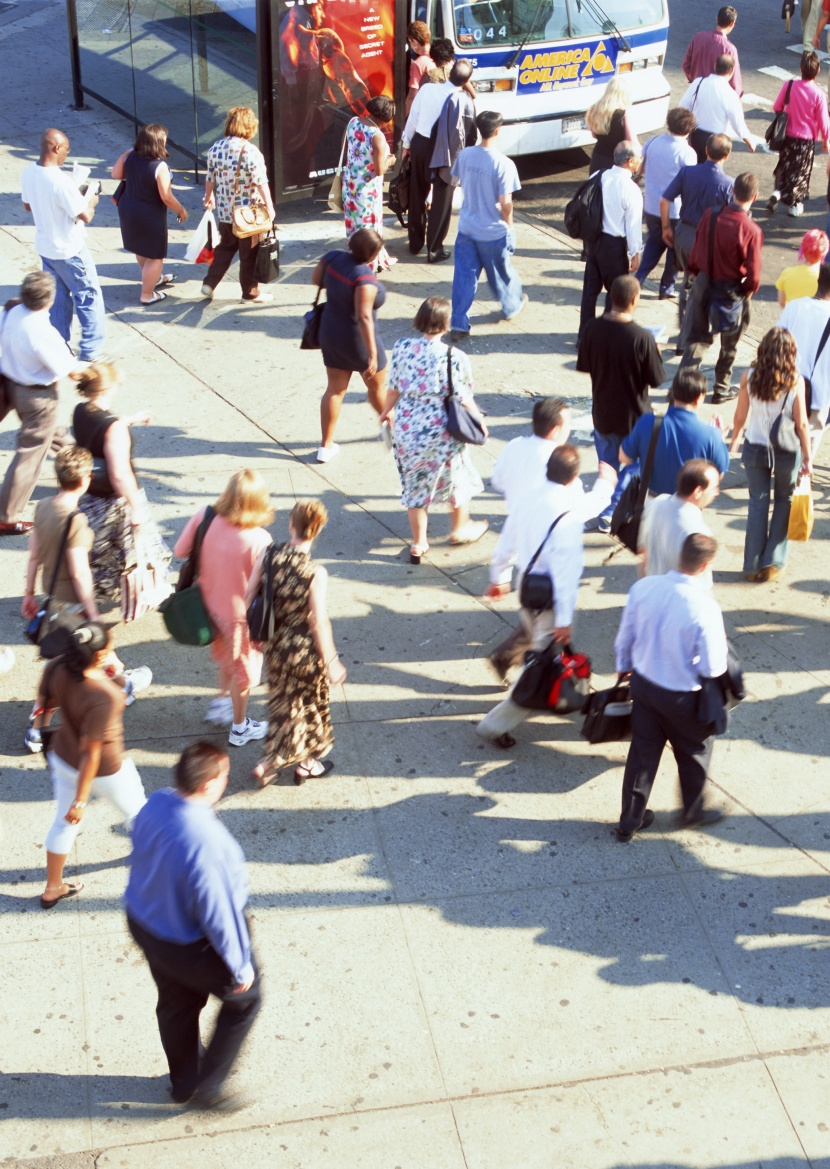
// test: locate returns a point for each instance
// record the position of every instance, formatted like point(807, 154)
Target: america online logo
point(567, 68)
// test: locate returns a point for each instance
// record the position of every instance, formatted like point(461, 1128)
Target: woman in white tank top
point(771, 386)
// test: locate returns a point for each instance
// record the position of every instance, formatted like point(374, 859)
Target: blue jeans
point(607, 447)
point(77, 288)
point(653, 251)
point(470, 256)
point(768, 473)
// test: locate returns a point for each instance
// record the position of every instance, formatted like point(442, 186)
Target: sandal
point(471, 532)
point(167, 280)
point(72, 887)
point(416, 551)
point(303, 773)
point(154, 299)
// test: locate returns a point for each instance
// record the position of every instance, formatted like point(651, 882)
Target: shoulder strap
point(200, 535)
point(450, 390)
point(648, 466)
point(787, 96)
point(61, 550)
point(821, 344)
point(343, 149)
point(697, 91)
point(236, 180)
point(538, 551)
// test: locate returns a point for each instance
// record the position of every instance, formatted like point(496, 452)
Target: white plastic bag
point(204, 239)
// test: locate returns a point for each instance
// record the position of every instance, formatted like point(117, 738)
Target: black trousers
point(440, 214)
point(420, 181)
point(658, 717)
point(697, 141)
point(223, 255)
point(606, 260)
point(186, 976)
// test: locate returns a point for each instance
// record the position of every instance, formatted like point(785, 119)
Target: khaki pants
point(36, 407)
point(507, 715)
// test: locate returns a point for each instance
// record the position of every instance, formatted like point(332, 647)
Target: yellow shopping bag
point(801, 512)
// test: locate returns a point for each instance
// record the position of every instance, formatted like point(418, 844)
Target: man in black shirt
point(623, 361)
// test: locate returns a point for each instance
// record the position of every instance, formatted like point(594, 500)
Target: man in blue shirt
point(682, 436)
point(485, 227)
point(697, 188)
point(663, 158)
point(185, 904)
point(671, 637)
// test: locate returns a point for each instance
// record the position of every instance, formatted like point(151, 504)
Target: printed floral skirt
point(114, 547)
point(794, 168)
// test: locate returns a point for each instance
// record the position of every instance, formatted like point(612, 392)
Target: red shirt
point(739, 243)
point(703, 52)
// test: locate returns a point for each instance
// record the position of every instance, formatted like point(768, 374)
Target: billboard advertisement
point(334, 55)
point(553, 70)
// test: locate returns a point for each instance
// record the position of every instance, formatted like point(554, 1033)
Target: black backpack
point(583, 214)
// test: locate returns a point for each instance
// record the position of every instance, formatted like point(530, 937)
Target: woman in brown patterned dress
point(300, 658)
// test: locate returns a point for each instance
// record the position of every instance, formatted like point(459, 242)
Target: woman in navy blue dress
point(142, 207)
point(348, 333)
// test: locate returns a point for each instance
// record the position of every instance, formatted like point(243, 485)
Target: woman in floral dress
point(433, 466)
point(368, 158)
point(300, 658)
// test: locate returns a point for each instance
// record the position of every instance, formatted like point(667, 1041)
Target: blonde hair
point(245, 502)
point(97, 379)
point(617, 96)
point(308, 518)
point(241, 122)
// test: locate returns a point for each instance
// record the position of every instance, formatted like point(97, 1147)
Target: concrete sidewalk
point(462, 968)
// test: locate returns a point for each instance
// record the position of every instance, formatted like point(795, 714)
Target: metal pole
point(265, 86)
point(75, 56)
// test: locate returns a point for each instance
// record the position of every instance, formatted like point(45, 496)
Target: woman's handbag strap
point(207, 520)
point(61, 551)
point(236, 179)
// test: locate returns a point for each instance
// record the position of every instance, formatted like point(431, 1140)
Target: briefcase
point(608, 715)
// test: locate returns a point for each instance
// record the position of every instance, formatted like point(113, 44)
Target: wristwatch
point(79, 804)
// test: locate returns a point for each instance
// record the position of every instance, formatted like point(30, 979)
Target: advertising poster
point(572, 67)
point(334, 55)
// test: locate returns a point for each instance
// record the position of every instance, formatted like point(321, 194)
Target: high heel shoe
point(302, 773)
point(416, 551)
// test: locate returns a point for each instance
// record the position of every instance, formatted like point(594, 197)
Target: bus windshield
point(508, 22)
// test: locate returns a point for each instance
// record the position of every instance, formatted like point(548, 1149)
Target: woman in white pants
point(86, 756)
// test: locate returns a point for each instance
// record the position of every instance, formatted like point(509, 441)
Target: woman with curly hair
point(772, 386)
point(367, 159)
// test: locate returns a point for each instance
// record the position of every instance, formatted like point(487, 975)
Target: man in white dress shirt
point(808, 319)
point(616, 251)
point(671, 636)
point(669, 519)
point(519, 471)
point(717, 108)
point(418, 142)
point(561, 498)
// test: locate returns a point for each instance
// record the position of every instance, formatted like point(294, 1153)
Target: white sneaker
point(326, 453)
point(220, 712)
point(796, 210)
point(251, 730)
point(207, 291)
point(137, 680)
point(33, 741)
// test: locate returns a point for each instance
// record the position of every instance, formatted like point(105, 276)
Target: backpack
point(583, 214)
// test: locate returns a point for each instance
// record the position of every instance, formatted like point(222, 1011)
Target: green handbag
point(184, 612)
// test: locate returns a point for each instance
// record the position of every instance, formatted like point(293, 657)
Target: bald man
point(61, 213)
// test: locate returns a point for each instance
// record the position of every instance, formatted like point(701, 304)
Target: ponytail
point(85, 643)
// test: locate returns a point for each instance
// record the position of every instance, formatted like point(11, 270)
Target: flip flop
point(71, 890)
point(156, 297)
point(170, 278)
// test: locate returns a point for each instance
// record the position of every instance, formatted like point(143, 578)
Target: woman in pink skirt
point(233, 541)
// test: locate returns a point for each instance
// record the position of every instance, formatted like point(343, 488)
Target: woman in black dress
point(142, 207)
point(609, 123)
point(348, 333)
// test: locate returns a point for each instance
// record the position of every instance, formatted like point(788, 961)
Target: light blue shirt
point(671, 632)
point(485, 176)
point(663, 157)
point(187, 879)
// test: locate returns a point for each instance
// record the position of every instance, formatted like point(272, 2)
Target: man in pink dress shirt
point(706, 47)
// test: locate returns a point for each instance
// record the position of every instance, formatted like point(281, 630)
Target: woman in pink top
point(807, 121)
point(231, 547)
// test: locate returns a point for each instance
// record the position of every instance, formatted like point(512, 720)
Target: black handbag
point(313, 319)
point(783, 436)
point(118, 192)
point(536, 589)
point(776, 131)
point(628, 511)
point(462, 425)
point(398, 198)
point(53, 625)
point(267, 268)
point(261, 618)
point(608, 715)
point(541, 671)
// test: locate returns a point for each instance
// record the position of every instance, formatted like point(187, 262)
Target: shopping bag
point(801, 511)
point(203, 241)
point(268, 258)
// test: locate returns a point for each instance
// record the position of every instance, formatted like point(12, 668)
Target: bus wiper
point(604, 21)
point(512, 62)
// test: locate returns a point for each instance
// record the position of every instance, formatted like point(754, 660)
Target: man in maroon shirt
point(706, 47)
point(719, 301)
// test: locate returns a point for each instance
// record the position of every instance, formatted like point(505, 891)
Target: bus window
point(625, 14)
point(436, 21)
point(505, 22)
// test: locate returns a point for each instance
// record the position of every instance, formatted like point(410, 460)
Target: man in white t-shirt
point(34, 358)
point(485, 227)
point(61, 213)
point(669, 519)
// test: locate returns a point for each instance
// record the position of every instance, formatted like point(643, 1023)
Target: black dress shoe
point(437, 257)
point(703, 819)
point(18, 528)
point(724, 395)
point(646, 822)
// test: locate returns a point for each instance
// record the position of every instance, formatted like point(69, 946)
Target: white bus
point(542, 63)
